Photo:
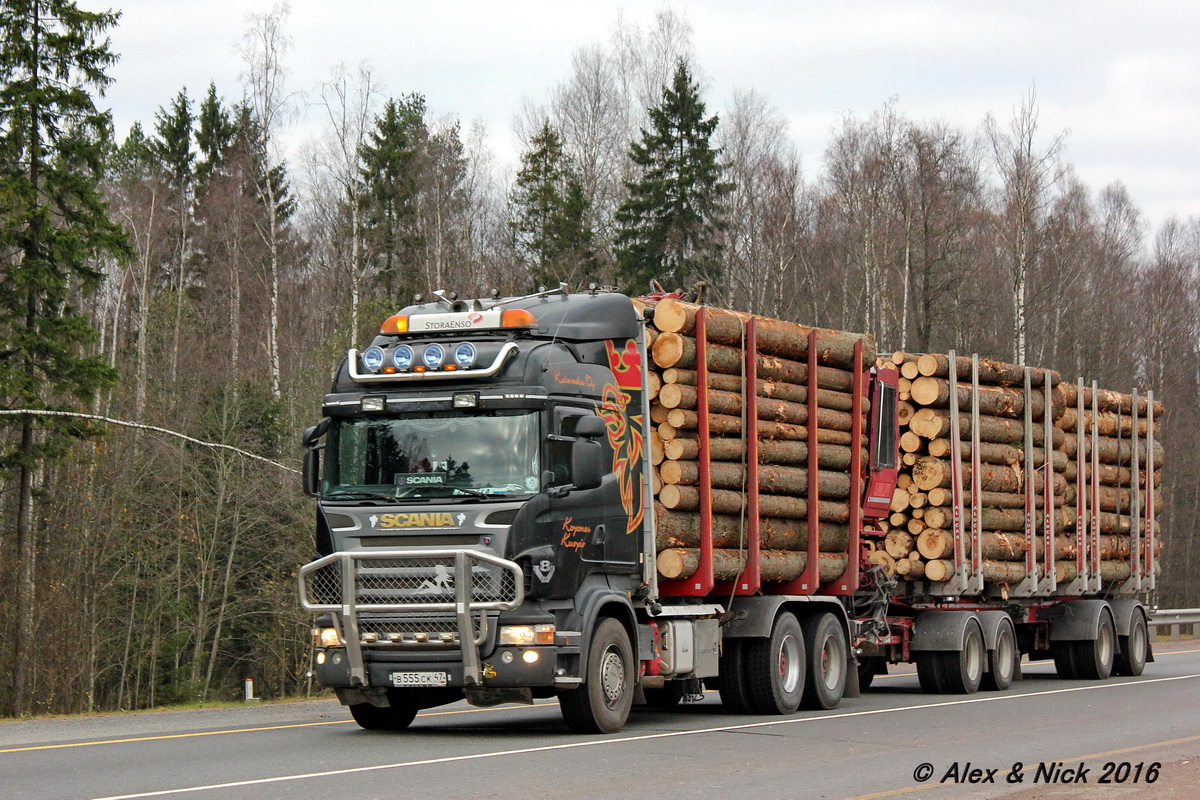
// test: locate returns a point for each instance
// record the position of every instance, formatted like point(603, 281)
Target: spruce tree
point(54, 227)
point(671, 224)
point(550, 208)
point(392, 165)
point(214, 135)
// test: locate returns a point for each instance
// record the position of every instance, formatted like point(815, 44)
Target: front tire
point(775, 668)
point(602, 703)
point(396, 717)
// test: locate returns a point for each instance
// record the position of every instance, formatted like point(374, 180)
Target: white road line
point(646, 737)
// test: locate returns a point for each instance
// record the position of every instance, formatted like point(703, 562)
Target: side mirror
point(311, 478)
point(311, 435)
point(586, 471)
point(587, 454)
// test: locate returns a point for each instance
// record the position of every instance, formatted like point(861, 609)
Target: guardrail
point(1175, 620)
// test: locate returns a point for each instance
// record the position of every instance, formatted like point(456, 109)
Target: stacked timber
point(782, 408)
point(918, 538)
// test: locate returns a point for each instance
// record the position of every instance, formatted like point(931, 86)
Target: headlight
point(373, 358)
point(525, 635)
point(327, 637)
point(464, 355)
point(433, 356)
point(402, 357)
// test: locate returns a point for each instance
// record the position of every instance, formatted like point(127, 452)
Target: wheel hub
point(612, 676)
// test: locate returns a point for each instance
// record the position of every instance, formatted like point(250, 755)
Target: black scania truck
point(485, 530)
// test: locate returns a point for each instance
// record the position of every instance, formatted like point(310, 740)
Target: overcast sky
point(1122, 77)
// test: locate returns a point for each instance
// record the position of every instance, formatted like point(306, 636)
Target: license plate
point(420, 678)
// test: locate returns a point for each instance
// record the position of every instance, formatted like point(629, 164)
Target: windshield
point(436, 454)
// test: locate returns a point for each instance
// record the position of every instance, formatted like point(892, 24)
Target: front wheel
point(395, 717)
point(775, 668)
point(602, 703)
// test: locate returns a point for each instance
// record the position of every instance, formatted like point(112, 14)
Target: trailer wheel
point(825, 642)
point(1094, 657)
point(961, 671)
point(396, 717)
point(1135, 648)
point(775, 668)
point(1002, 662)
point(732, 688)
point(929, 672)
point(1064, 659)
point(602, 703)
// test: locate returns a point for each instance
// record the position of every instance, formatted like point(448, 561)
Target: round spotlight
point(402, 357)
point(373, 358)
point(434, 355)
point(464, 355)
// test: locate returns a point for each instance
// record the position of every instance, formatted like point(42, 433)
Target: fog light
point(433, 356)
point(464, 355)
point(506, 656)
point(465, 400)
point(530, 656)
point(402, 357)
point(372, 358)
point(372, 404)
point(327, 637)
point(320, 658)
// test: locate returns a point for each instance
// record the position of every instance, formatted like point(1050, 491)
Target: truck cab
point(481, 484)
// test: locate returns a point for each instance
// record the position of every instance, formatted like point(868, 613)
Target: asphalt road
point(868, 747)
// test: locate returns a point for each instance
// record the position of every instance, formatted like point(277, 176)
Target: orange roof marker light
point(396, 323)
point(517, 318)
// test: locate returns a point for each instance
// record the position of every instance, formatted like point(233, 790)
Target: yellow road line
point(347, 722)
point(233, 730)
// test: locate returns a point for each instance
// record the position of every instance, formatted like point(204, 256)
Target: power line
point(143, 427)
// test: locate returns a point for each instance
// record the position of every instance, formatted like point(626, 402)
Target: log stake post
point(1027, 587)
point(957, 583)
point(808, 581)
point(750, 579)
point(1081, 585)
point(1150, 582)
point(975, 577)
point(1135, 582)
point(849, 582)
point(1094, 537)
point(700, 583)
point(1050, 579)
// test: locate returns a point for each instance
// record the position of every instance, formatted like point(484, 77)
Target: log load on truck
point(614, 500)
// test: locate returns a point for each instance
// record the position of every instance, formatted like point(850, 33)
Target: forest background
point(228, 277)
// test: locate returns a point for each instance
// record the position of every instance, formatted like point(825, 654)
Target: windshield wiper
point(358, 494)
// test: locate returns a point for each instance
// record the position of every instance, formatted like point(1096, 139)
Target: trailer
point(497, 519)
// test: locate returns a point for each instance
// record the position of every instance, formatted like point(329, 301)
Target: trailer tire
point(396, 717)
point(602, 703)
point(929, 672)
point(775, 668)
point(961, 671)
point(1064, 659)
point(732, 687)
point(1135, 648)
point(1002, 661)
point(1094, 658)
point(825, 642)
